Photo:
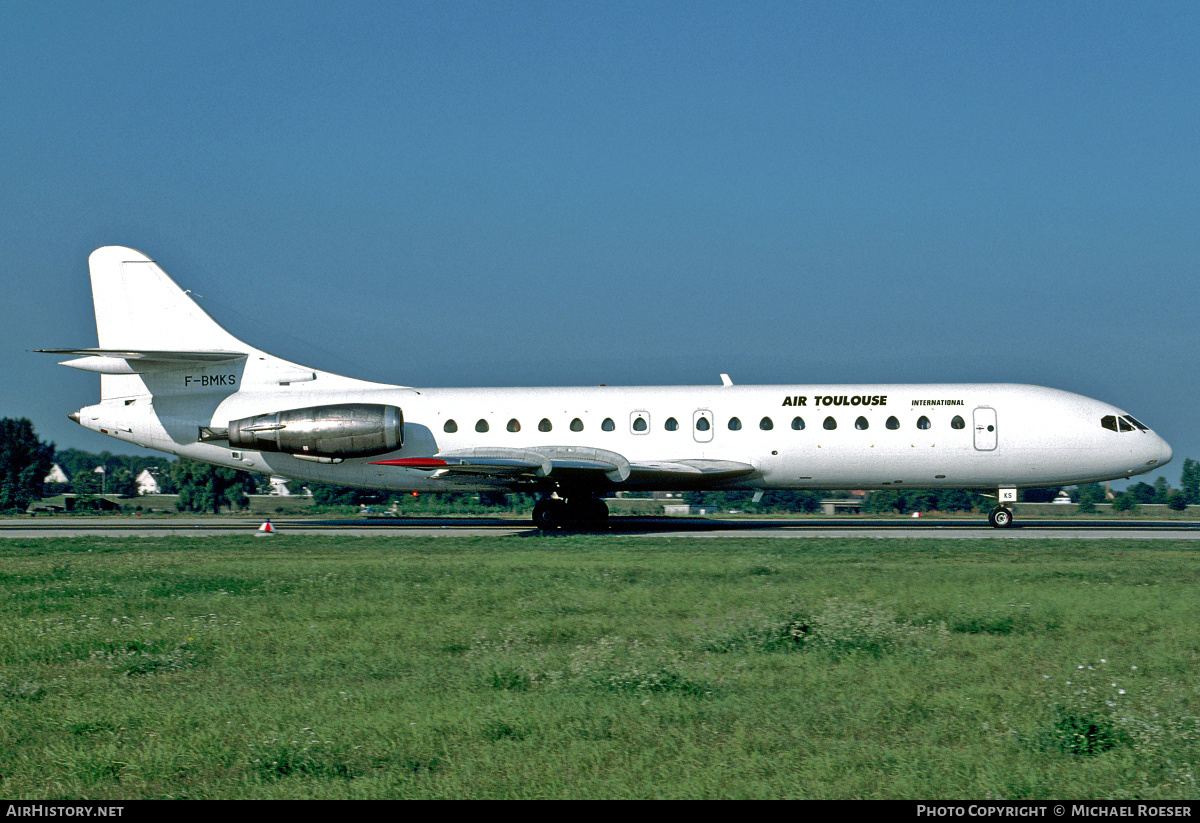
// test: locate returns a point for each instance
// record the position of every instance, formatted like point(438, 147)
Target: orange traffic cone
point(266, 528)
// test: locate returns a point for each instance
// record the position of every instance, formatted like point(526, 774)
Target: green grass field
point(586, 666)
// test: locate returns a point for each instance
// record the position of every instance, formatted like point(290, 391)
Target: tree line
point(25, 461)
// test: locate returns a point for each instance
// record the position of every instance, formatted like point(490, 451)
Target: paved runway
point(631, 526)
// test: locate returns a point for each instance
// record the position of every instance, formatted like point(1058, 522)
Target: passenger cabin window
point(701, 424)
point(765, 424)
point(451, 427)
point(861, 424)
point(671, 425)
point(893, 423)
point(1109, 421)
point(481, 426)
point(639, 424)
point(608, 425)
point(544, 425)
point(735, 424)
point(513, 425)
point(830, 423)
point(798, 423)
point(576, 425)
point(923, 422)
point(958, 423)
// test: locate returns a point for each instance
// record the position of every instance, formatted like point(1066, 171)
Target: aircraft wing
point(688, 471)
point(585, 466)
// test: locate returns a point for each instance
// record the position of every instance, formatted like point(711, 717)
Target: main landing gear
point(577, 511)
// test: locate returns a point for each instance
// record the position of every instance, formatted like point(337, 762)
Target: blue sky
point(456, 194)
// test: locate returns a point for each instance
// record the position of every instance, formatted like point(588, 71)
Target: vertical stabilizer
point(155, 341)
point(138, 307)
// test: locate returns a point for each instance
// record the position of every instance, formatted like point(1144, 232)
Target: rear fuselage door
point(702, 425)
point(985, 429)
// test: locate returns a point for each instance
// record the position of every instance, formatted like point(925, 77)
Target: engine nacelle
point(341, 430)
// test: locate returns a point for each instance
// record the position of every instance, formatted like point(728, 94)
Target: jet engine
point(336, 431)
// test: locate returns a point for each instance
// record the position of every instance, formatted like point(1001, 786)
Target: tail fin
point(139, 308)
point(155, 341)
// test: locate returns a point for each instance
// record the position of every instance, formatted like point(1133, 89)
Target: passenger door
point(702, 425)
point(985, 429)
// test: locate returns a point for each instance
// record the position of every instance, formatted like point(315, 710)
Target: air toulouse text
point(837, 400)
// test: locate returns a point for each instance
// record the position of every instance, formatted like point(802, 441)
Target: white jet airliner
point(174, 380)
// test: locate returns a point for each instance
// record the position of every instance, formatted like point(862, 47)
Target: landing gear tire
point(550, 514)
point(553, 513)
point(1000, 517)
point(589, 511)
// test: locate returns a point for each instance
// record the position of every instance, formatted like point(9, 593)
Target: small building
point(56, 475)
point(841, 506)
point(147, 482)
point(683, 509)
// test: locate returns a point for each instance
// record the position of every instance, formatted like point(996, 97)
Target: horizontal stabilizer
point(123, 361)
point(156, 356)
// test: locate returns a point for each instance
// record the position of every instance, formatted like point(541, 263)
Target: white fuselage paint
point(1041, 436)
point(168, 369)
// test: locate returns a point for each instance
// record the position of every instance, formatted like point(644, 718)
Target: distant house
point(279, 487)
point(683, 509)
point(147, 482)
point(56, 475)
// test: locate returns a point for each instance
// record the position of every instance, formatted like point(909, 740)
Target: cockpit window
point(1124, 423)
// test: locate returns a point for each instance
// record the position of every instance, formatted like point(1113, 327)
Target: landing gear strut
point(577, 511)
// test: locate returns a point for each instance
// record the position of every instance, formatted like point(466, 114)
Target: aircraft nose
point(1164, 451)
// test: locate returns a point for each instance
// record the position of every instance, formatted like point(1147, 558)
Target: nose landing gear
point(1001, 517)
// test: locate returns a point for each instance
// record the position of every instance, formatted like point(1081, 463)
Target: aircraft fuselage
point(173, 379)
point(796, 437)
